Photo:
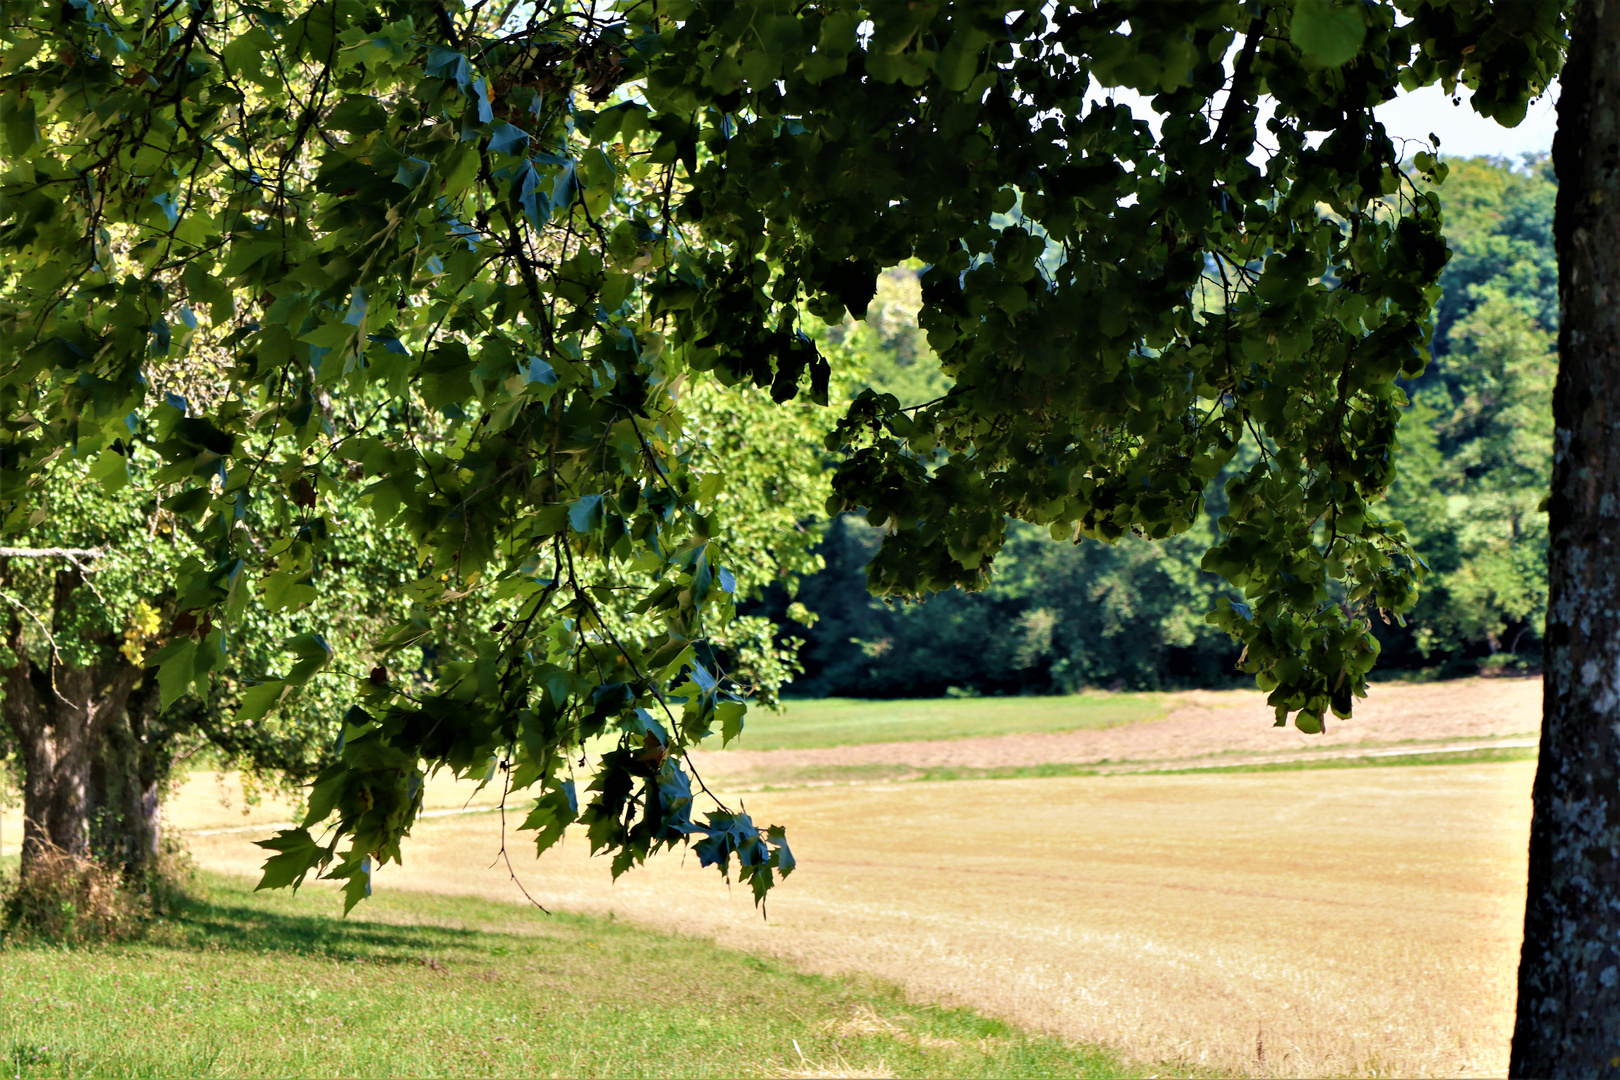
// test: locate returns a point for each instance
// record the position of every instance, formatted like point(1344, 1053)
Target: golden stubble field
point(1357, 921)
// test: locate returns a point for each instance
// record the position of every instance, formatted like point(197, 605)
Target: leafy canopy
point(484, 261)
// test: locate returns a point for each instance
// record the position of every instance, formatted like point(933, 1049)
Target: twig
point(502, 855)
point(56, 654)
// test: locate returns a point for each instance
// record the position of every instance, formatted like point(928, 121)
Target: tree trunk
point(1569, 972)
point(127, 772)
point(50, 713)
point(58, 712)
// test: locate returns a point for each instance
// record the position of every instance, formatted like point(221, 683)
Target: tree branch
point(1242, 80)
point(50, 553)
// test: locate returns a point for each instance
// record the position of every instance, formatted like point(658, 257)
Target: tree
point(1499, 218)
point(1476, 457)
point(481, 260)
point(90, 613)
point(1569, 974)
point(82, 708)
point(1055, 618)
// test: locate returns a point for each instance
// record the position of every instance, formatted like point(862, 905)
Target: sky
point(1412, 117)
point(1463, 132)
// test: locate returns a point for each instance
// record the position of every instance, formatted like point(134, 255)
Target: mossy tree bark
point(1569, 974)
point(61, 716)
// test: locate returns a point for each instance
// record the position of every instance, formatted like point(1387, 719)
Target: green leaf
point(553, 812)
point(358, 886)
point(313, 653)
point(959, 60)
point(331, 335)
point(411, 172)
point(299, 854)
point(541, 372)
point(730, 715)
point(460, 170)
point(358, 114)
point(550, 519)
point(19, 122)
point(245, 56)
point(177, 667)
point(782, 856)
point(190, 504)
point(283, 590)
point(1327, 32)
point(508, 139)
point(111, 471)
point(257, 701)
point(585, 515)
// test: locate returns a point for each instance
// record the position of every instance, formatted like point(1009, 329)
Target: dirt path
point(1204, 727)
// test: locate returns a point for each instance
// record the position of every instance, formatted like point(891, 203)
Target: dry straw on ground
point(69, 899)
point(1349, 922)
point(1345, 922)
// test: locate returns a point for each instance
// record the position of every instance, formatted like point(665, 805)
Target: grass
point(816, 775)
point(275, 985)
point(805, 724)
point(1481, 756)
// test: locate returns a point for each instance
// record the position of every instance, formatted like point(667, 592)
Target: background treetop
point(482, 260)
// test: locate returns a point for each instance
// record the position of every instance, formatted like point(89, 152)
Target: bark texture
point(59, 714)
point(1568, 1020)
point(127, 771)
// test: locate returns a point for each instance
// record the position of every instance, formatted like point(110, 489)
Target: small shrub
point(70, 899)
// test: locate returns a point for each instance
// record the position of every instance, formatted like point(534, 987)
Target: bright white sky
point(1462, 131)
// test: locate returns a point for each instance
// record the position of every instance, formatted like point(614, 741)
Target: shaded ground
point(273, 985)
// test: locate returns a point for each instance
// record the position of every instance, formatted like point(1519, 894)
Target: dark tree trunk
point(1569, 973)
point(57, 713)
point(127, 772)
point(50, 713)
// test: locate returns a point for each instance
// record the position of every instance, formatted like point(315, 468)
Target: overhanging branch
point(50, 553)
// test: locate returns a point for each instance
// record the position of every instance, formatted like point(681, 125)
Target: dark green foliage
point(1477, 444)
point(1056, 618)
point(1499, 227)
point(1476, 450)
point(486, 270)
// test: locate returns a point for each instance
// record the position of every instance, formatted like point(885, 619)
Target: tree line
point(1472, 479)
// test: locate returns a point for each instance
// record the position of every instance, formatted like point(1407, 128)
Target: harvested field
point(1164, 731)
point(1294, 923)
point(1298, 923)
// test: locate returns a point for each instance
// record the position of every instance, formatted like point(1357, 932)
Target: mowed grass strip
point(1383, 760)
point(810, 723)
point(418, 985)
point(823, 775)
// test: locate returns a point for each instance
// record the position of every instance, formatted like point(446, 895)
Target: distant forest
point(1059, 617)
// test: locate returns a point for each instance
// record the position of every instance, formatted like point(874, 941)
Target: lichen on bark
point(1569, 977)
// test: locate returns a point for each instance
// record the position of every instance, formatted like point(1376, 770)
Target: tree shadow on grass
point(199, 923)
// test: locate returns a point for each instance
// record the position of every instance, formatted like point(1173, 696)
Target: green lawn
point(241, 984)
point(848, 721)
